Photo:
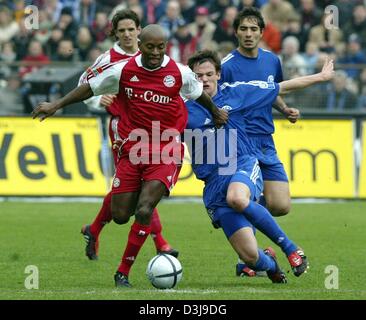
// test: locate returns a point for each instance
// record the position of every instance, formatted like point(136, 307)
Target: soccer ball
point(164, 271)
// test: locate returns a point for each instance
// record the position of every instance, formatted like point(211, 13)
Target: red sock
point(160, 242)
point(104, 216)
point(136, 239)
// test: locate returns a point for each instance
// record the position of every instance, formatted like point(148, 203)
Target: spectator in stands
point(293, 63)
point(94, 53)
point(43, 33)
point(361, 102)
point(271, 38)
point(328, 40)
point(53, 9)
point(339, 97)
point(188, 10)
point(67, 23)
point(52, 44)
point(225, 30)
point(65, 51)
point(311, 56)
point(202, 28)
point(21, 40)
point(101, 27)
point(217, 9)
point(86, 12)
point(277, 11)
point(357, 24)
point(8, 26)
point(247, 4)
point(182, 45)
point(172, 18)
point(154, 10)
point(294, 28)
point(11, 100)
point(310, 14)
point(84, 43)
point(19, 10)
point(7, 55)
point(34, 59)
point(354, 57)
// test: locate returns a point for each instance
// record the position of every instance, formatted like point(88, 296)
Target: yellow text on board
point(59, 156)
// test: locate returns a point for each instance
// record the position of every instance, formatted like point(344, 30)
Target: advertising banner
point(318, 157)
point(56, 157)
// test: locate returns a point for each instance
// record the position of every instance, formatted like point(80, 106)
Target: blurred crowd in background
point(77, 32)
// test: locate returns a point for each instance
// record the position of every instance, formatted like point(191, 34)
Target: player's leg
point(150, 195)
point(276, 190)
point(276, 187)
point(241, 187)
point(91, 232)
point(161, 244)
point(239, 233)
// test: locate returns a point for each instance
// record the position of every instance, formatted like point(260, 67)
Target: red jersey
point(149, 95)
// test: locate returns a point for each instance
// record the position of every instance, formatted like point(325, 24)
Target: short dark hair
point(251, 13)
point(205, 56)
point(121, 15)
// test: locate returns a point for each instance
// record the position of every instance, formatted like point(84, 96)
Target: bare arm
point(219, 116)
point(326, 74)
point(47, 109)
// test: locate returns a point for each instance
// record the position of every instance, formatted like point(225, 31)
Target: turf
point(48, 236)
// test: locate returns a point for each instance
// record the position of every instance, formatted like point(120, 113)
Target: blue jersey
point(236, 98)
point(265, 67)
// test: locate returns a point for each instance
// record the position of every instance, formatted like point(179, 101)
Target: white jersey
point(116, 53)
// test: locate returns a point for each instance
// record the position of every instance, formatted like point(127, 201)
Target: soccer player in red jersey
point(125, 28)
point(150, 86)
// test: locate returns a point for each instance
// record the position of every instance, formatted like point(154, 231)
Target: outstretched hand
point(44, 110)
point(327, 72)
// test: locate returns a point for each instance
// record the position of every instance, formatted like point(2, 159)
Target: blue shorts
point(230, 221)
point(215, 191)
point(263, 148)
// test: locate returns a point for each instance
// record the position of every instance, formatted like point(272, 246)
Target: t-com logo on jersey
point(148, 96)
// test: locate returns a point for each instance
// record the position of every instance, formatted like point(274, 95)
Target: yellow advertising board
point(362, 180)
point(56, 157)
point(318, 157)
point(187, 184)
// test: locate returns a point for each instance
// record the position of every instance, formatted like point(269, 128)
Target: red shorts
point(129, 176)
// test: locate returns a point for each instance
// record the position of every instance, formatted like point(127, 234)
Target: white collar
point(118, 49)
point(164, 64)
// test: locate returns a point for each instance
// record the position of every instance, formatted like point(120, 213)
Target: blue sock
point(264, 222)
point(264, 263)
point(262, 201)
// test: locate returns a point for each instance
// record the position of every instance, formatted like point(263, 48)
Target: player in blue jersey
point(232, 187)
point(246, 63)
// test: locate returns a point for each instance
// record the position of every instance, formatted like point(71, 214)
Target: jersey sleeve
point(106, 79)
point(279, 74)
point(191, 87)
point(93, 102)
point(253, 94)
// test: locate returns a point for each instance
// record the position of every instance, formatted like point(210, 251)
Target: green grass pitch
point(48, 236)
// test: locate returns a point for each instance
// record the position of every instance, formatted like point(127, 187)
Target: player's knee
point(250, 257)
point(237, 202)
point(279, 209)
point(143, 213)
point(119, 217)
